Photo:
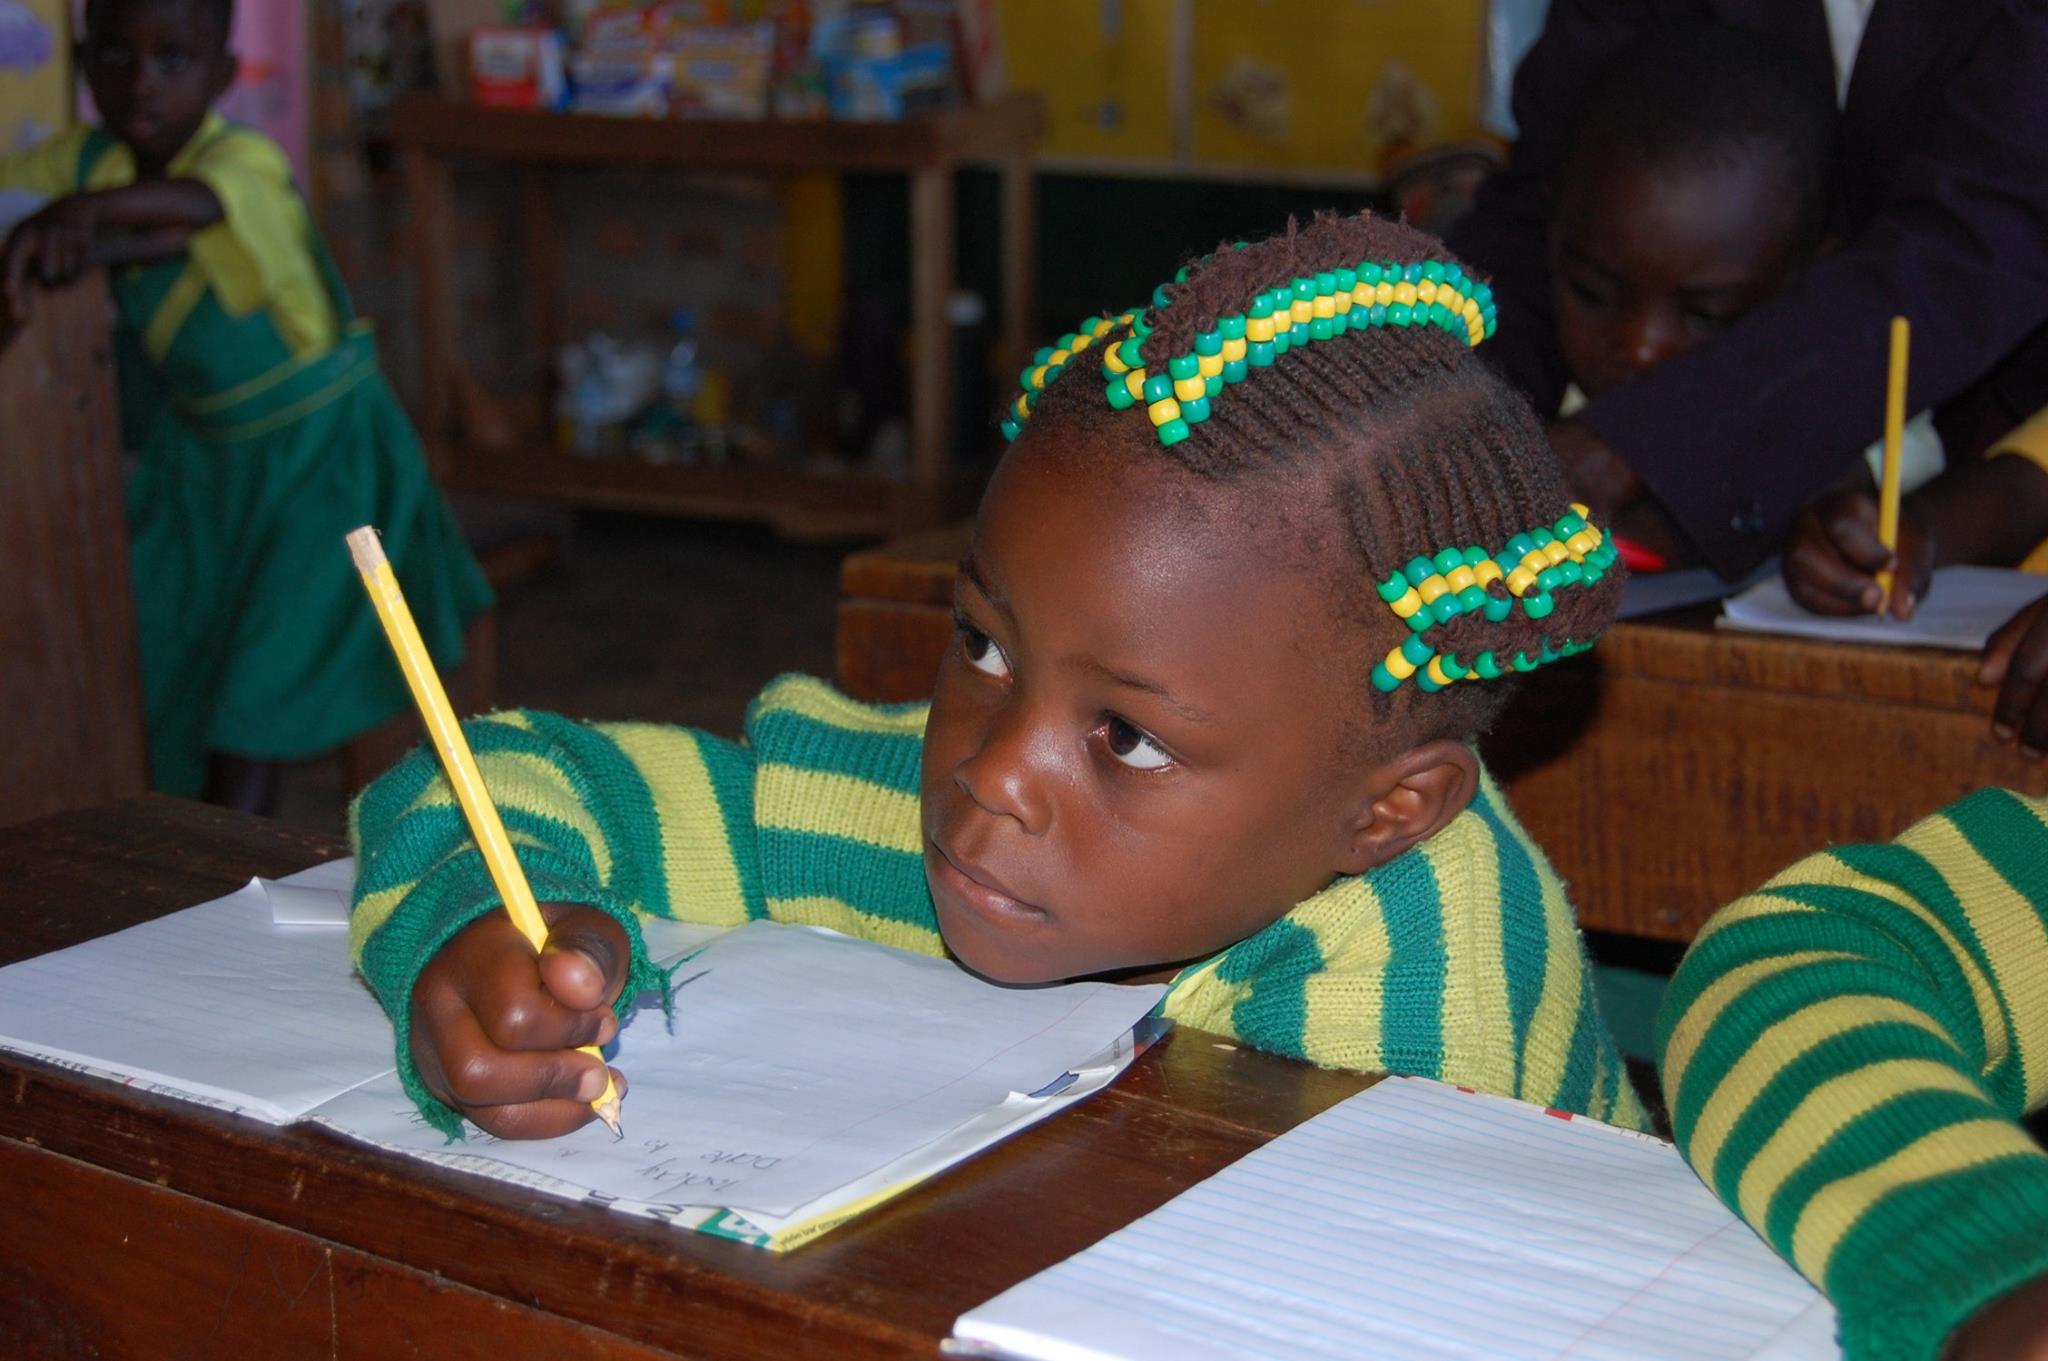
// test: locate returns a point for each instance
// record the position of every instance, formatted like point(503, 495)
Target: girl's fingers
point(1821, 581)
point(473, 1073)
point(538, 1119)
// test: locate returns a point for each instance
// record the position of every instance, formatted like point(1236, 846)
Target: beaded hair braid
point(1436, 472)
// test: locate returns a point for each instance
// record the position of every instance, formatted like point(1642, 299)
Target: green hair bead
point(1183, 366)
point(1400, 314)
point(1449, 560)
point(1472, 598)
point(1538, 606)
point(1158, 388)
point(1208, 343)
point(1416, 650)
point(1119, 394)
point(1234, 370)
point(1485, 667)
point(1433, 270)
point(1321, 328)
point(1368, 273)
point(1259, 354)
point(1418, 569)
point(1499, 607)
point(1232, 327)
point(1384, 680)
point(1393, 588)
point(1173, 432)
point(1445, 607)
point(1195, 410)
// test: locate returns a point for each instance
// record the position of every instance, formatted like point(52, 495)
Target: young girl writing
point(274, 434)
point(1262, 558)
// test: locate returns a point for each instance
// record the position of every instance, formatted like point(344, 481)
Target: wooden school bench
point(138, 1225)
point(1669, 770)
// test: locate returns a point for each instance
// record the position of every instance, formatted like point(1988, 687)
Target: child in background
point(1847, 1053)
point(1698, 184)
point(1260, 562)
point(275, 435)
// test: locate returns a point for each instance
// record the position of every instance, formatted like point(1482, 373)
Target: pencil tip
point(609, 1113)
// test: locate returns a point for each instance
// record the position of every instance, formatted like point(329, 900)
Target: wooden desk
point(432, 132)
point(142, 1226)
point(1670, 769)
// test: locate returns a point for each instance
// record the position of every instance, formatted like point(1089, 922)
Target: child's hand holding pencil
point(498, 1032)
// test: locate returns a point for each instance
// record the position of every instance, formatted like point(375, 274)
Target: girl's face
point(155, 67)
point(1133, 753)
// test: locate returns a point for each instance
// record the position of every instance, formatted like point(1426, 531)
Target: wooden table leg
point(433, 256)
point(931, 340)
point(1020, 261)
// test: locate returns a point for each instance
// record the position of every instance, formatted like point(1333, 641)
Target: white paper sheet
point(799, 1061)
point(1418, 1221)
point(217, 1003)
point(1964, 605)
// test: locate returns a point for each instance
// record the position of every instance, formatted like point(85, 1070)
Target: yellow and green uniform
point(267, 433)
point(1846, 1051)
point(1458, 960)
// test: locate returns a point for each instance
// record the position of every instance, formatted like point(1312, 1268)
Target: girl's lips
point(981, 890)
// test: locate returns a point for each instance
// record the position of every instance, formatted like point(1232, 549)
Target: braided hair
point(1397, 441)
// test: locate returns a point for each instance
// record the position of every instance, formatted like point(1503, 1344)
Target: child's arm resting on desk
point(1845, 1053)
point(609, 822)
point(56, 245)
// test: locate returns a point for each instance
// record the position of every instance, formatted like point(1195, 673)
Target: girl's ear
point(1407, 801)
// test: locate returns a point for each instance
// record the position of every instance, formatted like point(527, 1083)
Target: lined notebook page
point(1964, 606)
point(1419, 1221)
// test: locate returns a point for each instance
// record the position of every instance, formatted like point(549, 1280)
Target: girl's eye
point(1132, 747)
point(1586, 294)
point(173, 62)
point(981, 651)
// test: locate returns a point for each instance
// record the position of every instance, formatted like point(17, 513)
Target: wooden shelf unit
point(431, 134)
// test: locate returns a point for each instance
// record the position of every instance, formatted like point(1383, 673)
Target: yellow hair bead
point(1382, 294)
point(1408, 604)
point(1534, 560)
point(1404, 292)
point(1425, 292)
point(1302, 310)
point(1487, 572)
point(1134, 383)
point(1436, 670)
point(1036, 378)
point(1258, 330)
point(1361, 296)
point(1452, 299)
point(1059, 357)
point(1340, 303)
point(1399, 666)
point(1234, 349)
point(1187, 389)
point(1323, 305)
point(1583, 542)
point(1082, 342)
point(1433, 588)
point(1114, 361)
point(1520, 580)
point(1471, 313)
point(1460, 578)
point(1209, 365)
point(1164, 410)
point(1581, 509)
point(1556, 552)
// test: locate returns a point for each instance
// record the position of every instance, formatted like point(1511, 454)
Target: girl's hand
point(2016, 661)
point(2012, 1328)
point(495, 1027)
point(53, 247)
point(1834, 555)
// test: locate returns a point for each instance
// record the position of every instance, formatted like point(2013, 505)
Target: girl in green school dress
point(267, 431)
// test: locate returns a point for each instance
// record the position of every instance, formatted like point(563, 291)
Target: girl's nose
point(1006, 774)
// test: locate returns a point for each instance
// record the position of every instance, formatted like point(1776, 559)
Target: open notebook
point(1419, 1222)
point(1964, 606)
point(805, 1077)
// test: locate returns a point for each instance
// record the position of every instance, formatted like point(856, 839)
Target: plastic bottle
point(682, 378)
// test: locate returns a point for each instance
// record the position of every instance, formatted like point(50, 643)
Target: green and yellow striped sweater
point(1845, 1052)
point(1458, 960)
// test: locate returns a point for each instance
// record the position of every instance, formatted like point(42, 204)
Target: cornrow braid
point(1435, 473)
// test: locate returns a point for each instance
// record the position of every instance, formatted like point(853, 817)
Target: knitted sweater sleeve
point(812, 819)
point(626, 818)
point(1846, 1052)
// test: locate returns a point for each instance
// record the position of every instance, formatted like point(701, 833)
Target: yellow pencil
point(1894, 427)
point(484, 823)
